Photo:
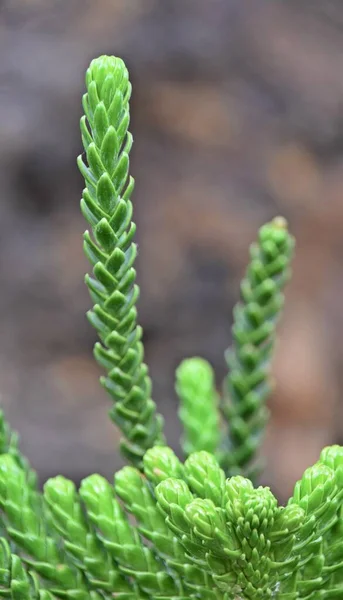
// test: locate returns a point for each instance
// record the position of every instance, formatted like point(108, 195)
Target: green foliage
point(107, 207)
point(174, 532)
point(248, 384)
point(9, 445)
point(15, 581)
point(199, 406)
point(168, 530)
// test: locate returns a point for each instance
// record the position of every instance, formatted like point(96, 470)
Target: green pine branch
point(80, 541)
point(28, 527)
point(239, 536)
point(168, 530)
point(248, 384)
point(137, 493)
point(9, 444)
point(122, 540)
point(16, 582)
point(198, 412)
point(178, 532)
point(318, 549)
point(107, 207)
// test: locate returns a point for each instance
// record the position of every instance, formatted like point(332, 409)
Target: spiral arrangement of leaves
point(107, 207)
point(167, 530)
point(248, 383)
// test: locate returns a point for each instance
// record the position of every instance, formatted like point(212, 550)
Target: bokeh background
point(237, 114)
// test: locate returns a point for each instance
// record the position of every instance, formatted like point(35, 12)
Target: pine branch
point(80, 541)
point(123, 542)
point(205, 478)
point(198, 411)
point(160, 463)
point(16, 582)
point(318, 549)
point(106, 205)
point(9, 444)
point(248, 384)
point(168, 530)
point(27, 527)
point(245, 543)
point(332, 457)
point(139, 500)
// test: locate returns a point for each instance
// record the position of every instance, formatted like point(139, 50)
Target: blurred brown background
point(237, 115)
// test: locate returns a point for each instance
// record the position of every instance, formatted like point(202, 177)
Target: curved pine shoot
point(248, 385)
point(107, 207)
